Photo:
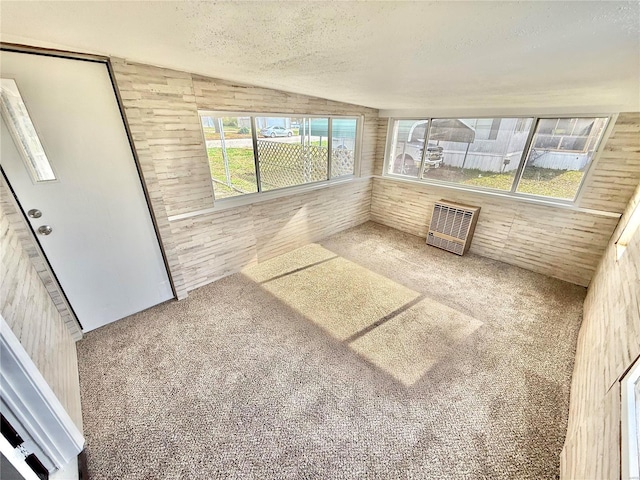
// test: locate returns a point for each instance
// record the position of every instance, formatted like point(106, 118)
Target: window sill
point(556, 203)
point(253, 198)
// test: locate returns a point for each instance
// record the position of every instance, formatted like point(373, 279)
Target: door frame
point(12, 47)
point(27, 398)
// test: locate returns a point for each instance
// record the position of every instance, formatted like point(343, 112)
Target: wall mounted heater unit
point(452, 226)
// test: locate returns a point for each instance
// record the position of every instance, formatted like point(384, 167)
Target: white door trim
point(26, 394)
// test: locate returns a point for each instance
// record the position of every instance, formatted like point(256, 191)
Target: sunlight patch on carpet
point(297, 259)
point(408, 345)
point(390, 325)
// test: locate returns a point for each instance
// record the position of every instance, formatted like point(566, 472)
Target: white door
point(67, 155)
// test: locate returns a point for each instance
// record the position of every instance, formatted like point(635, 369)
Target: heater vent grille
point(452, 226)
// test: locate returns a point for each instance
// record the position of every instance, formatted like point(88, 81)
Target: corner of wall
point(609, 342)
point(133, 103)
point(161, 108)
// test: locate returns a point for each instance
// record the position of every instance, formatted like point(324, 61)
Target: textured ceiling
point(388, 55)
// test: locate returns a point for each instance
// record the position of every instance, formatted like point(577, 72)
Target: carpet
point(366, 355)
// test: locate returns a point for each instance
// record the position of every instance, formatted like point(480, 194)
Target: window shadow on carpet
point(400, 331)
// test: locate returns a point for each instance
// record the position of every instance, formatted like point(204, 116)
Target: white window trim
point(512, 194)
point(257, 197)
point(253, 198)
point(13, 131)
point(629, 421)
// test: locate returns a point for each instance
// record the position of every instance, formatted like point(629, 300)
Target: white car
point(275, 132)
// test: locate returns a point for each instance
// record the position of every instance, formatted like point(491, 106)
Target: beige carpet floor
point(367, 355)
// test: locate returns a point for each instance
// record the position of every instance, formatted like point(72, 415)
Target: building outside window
point(545, 157)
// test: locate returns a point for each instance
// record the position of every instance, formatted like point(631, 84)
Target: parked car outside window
point(275, 131)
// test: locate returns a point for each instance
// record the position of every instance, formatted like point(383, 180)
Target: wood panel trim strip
point(252, 199)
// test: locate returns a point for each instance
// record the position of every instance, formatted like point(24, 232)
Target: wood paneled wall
point(617, 173)
point(161, 108)
point(29, 310)
point(561, 243)
point(565, 243)
point(576, 245)
point(608, 343)
point(156, 104)
point(381, 145)
point(215, 245)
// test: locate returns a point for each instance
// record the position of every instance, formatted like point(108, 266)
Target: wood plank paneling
point(592, 451)
point(562, 243)
point(161, 104)
point(608, 343)
point(617, 172)
point(218, 244)
point(381, 145)
point(310, 217)
point(215, 245)
point(216, 94)
point(28, 309)
point(161, 108)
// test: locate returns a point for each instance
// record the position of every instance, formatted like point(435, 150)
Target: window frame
point(17, 139)
point(512, 192)
point(388, 147)
point(263, 195)
point(629, 422)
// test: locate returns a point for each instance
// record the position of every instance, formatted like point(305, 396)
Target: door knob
point(34, 213)
point(45, 229)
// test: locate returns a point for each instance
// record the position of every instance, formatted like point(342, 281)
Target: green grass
point(542, 181)
point(241, 167)
point(537, 181)
point(242, 171)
